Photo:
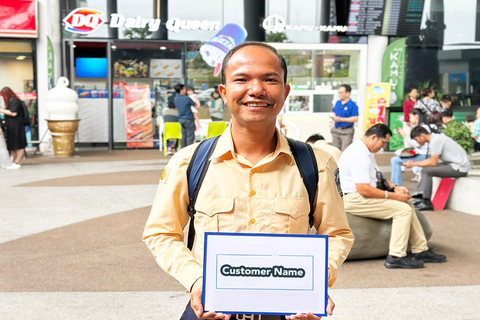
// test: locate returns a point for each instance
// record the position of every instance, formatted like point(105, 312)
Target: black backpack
point(26, 114)
point(198, 166)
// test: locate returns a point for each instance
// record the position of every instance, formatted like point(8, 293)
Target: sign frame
point(319, 260)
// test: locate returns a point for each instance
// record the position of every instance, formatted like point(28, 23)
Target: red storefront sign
point(18, 18)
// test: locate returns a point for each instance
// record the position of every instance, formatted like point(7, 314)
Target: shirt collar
point(225, 148)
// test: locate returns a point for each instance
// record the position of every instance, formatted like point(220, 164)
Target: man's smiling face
point(254, 87)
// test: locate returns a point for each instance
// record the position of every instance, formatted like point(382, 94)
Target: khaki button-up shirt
point(236, 196)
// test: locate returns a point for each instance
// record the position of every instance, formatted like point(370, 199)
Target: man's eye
point(271, 80)
point(239, 80)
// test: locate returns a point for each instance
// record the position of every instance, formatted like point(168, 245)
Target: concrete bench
point(372, 236)
point(464, 196)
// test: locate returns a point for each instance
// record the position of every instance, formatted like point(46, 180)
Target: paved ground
point(70, 249)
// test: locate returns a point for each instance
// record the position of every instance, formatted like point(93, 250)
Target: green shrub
point(460, 134)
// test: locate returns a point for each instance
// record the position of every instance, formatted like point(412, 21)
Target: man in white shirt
point(455, 162)
point(317, 140)
point(358, 177)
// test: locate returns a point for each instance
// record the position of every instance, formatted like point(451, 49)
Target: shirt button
point(252, 221)
point(252, 193)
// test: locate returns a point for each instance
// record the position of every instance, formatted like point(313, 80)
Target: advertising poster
point(395, 121)
point(131, 68)
point(377, 99)
point(393, 70)
point(166, 68)
point(138, 116)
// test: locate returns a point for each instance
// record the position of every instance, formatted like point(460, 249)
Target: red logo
point(83, 20)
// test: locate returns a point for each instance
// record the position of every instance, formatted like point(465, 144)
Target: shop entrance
point(123, 87)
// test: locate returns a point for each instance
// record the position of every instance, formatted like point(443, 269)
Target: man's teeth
point(256, 104)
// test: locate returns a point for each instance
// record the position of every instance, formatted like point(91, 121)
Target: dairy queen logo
point(83, 20)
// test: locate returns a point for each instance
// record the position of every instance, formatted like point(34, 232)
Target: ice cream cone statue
point(62, 123)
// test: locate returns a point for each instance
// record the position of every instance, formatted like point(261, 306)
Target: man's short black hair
point(314, 138)
point(411, 88)
point(380, 129)
point(232, 51)
point(179, 87)
point(470, 118)
point(447, 114)
point(417, 131)
point(347, 87)
point(446, 98)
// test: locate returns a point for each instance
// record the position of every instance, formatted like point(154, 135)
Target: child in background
point(191, 94)
point(470, 121)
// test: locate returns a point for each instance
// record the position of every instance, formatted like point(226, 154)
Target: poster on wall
point(131, 68)
point(138, 116)
point(377, 99)
point(395, 121)
point(166, 68)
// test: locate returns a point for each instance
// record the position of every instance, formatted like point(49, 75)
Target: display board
point(385, 17)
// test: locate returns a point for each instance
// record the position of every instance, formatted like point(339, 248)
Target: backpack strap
point(196, 171)
point(307, 165)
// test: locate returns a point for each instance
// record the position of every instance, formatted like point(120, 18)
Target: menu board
point(385, 17)
point(166, 68)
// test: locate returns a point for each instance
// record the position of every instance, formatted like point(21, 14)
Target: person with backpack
point(428, 104)
point(15, 125)
point(369, 194)
point(252, 184)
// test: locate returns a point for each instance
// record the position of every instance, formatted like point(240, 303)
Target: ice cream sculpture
point(63, 123)
point(62, 101)
point(217, 47)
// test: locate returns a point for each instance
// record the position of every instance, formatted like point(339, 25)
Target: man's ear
point(287, 91)
point(222, 89)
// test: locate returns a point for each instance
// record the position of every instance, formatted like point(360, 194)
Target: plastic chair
point(171, 130)
point(216, 128)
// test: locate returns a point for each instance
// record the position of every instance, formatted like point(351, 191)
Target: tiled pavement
point(70, 249)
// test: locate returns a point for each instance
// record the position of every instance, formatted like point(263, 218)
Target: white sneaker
point(13, 166)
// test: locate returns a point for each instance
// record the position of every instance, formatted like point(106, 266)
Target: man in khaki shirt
point(252, 185)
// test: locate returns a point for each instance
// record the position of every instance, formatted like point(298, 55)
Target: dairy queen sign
point(87, 20)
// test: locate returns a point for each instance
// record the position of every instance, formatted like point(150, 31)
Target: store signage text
point(85, 20)
point(275, 23)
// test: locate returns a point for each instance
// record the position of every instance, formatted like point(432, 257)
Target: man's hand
point(401, 189)
point(311, 316)
point(409, 164)
point(196, 304)
point(337, 119)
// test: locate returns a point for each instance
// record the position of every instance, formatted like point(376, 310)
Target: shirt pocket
point(215, 213)
point(290, 215)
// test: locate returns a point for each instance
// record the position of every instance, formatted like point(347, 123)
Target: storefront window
point(17, 66)
point(144, 76)
point(315, 75)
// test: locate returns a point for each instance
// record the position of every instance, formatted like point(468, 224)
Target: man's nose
point(256, 88)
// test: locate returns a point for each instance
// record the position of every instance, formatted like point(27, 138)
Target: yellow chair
point(216, 128)
point(171, 130)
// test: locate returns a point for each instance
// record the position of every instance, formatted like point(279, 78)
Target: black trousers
point(188, 314)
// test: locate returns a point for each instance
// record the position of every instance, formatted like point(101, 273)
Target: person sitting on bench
point(455, 163)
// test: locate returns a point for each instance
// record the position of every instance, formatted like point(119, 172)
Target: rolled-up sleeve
point(163, 232)
point(330, 219)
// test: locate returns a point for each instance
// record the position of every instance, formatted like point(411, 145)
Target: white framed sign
point(275, 274)
point(166, 68)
